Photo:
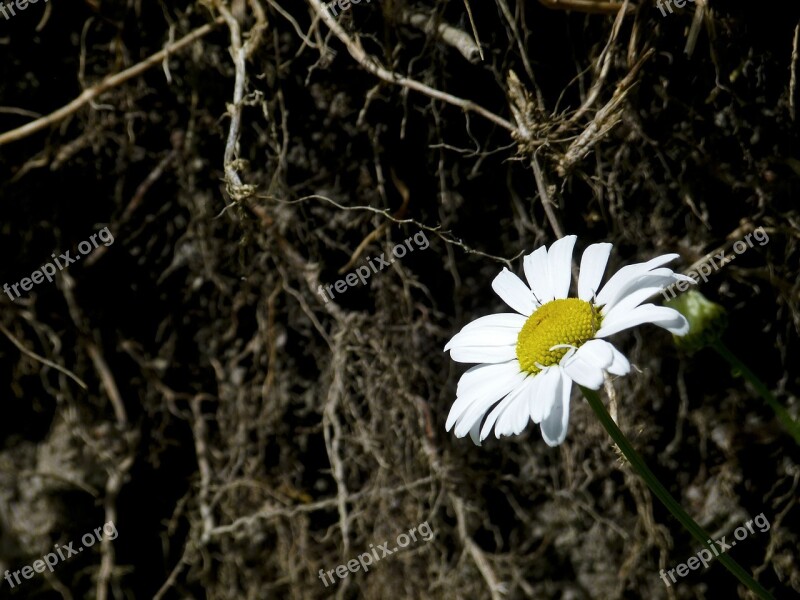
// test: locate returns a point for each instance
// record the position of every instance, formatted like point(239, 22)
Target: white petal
point(486, 384)
point(593, 266)
point(597, 352)
point(483, 354)
point(507, 419)
point(655, 281)
point(515, 416)
point(621, 365)
point(545, 397)
point(537, 274)
point(587, 365)
point(511, 320)
point(628, 274)
point(478, 382)
point(482, 375)
point(534, 399)
point(628, 302)
point(484, 336)
point(522, 416)
point(554, 427)
point(662, 316)
point(518, 395)
point(677, 325)
point(489, 331)
point(472, 418)
point(583, 372)
point(663, 276)
point(473, 433)
point(514, 292)
point(480, 406)
point(559, 265)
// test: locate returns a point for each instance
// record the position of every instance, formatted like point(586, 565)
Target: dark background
point(318, 429)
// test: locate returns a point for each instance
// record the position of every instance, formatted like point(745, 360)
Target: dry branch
point(458, 39)
point(105, 85)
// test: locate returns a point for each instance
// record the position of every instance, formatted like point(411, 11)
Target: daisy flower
point(529, 358)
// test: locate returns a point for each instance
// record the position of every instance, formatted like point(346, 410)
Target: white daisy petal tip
point(474, 433)
point(620, 365)
point(664, 317)
point(514, 292)
point(559, 265)
point(681, 326)
point(592, 269)
point(554, 427)
point(632, 276)
point(538, 275)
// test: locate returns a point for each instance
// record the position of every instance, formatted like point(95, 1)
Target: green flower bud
point(707, 320)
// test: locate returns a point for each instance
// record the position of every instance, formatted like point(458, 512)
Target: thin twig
point(240, 52)
point(109, 383)
point(372, 65)
point(200, 433)
point(587, 6)
point(793, 73)
point(333, 434)
point(105, 85)
point(474, 28)
point(694, 30)
point(606, 118)
point(93, 349)
point(113, 486)
point(475, 552)
point(376, 233)
point(605, 60)
point(270, 512)
point(235, 188)
point(541, 184)
point(430, 24)
point(512, 25)
point(385, 213)
point(42, 359)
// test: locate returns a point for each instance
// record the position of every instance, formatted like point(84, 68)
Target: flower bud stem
point(665, 497)
point(783, 415)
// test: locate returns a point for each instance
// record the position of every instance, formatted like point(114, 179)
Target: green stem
point(783, 415)
point(665, 497)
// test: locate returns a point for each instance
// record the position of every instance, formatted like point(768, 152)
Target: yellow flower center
point(569, 321)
